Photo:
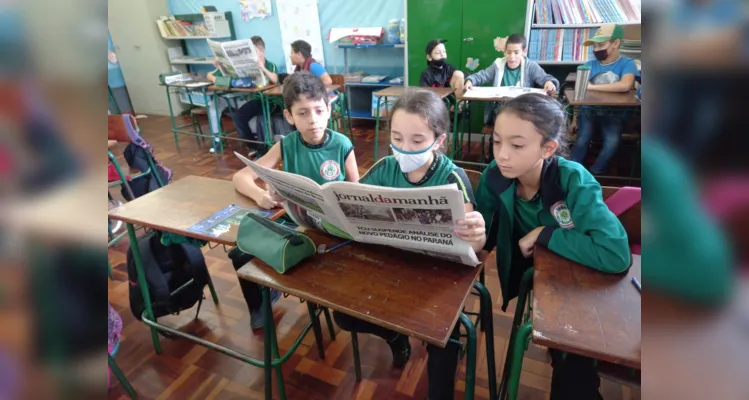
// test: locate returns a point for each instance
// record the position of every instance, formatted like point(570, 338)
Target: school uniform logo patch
point(330, 170)
point(562, 214)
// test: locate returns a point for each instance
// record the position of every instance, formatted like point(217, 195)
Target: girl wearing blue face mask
point(417, 130)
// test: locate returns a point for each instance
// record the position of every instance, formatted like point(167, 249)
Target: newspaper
point(418, 220)
point(480, 92)
point(238, 59)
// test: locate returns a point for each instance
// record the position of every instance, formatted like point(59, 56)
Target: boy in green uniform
point(418, 125)
point(252, 108)
point(312, 151)
point(532, 196)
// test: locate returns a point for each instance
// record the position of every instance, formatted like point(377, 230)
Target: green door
point(481, 24)
point(432, 19)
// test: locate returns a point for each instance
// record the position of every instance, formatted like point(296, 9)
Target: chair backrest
point(338, 80)
point(474, 177)
point(630, 219)
point(117, 129)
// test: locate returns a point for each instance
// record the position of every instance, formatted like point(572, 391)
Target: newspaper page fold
point(238, 59)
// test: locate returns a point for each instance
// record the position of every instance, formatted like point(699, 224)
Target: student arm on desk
point(624, 85)
point(539, 77)
point(244, 179)
point(597, 239)
point(483, 76)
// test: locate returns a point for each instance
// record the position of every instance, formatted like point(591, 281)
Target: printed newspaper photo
point(420, 220)
point(238, 59)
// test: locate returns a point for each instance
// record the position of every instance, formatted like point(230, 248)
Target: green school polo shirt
point(526, 215)
point(511, 77)
point(322, 163)
point(386, 172)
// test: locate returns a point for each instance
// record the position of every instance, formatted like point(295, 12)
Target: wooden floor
point(188, 371)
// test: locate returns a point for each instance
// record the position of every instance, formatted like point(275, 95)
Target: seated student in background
point(514, 69)
point(418, 128)
point(312, 151)
point(609, 72)
point(301, 57)
point(438, 72)
point(252, 108)
point(532, 196)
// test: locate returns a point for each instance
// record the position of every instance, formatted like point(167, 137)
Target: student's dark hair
point(517, 38)
point(300, 46)
point(546, 113)
point(258, 41)
point(425, 104)
point(303, 83)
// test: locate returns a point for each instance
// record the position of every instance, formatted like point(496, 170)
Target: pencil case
point(278, 246)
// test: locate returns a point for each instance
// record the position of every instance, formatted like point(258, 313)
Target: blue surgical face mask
point(410, 161)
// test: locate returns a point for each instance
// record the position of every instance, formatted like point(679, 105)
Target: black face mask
point(601, 54)
point(437, 63)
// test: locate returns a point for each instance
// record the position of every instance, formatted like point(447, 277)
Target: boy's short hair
point(300, 46)
point(258, 41)
point(432, 44)
point(303, 83)
point(517, 38)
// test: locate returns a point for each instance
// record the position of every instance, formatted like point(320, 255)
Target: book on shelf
point(572, 12)
point(171, 27)
point(560, 45)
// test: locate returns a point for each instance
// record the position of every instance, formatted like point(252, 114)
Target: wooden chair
point(340, 111)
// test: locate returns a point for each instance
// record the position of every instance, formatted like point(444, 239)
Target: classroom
point(401, 199)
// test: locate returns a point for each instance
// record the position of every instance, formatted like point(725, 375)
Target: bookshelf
point(193, 27)
point(556, 29)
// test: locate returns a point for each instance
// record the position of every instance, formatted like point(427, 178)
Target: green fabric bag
point(222, 82)
point(278, 246)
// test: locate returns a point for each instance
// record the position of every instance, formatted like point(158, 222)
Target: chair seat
point(199, 111)
point(487, 130)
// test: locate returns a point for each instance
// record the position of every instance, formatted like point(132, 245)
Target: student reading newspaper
point(420, 220)
point(238, 59)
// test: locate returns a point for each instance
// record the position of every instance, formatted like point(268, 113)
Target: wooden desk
point(586, 312)
point(183, 203)
point(410, 293)
point(595, 98)
point(397, 91)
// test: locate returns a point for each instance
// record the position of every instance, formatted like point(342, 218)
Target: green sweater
point(577, 223)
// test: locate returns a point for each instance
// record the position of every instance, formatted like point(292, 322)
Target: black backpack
point(167, 268)
point(137, 157)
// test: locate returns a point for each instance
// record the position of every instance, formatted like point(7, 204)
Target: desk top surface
point(410, 293)
point(183, 203)
point(596, 98)
point(584, 311)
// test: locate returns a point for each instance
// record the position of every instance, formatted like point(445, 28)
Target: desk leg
point(171, 117)
point(518, 351)
point(377, 127)
point(267, 343)
point(143, 285)
point(455, 128)
point(120, 377)
point(487, 324)
point(276, 356)
point(213, 120)
point(316, 328)
point(470, 355)
point(357, 361)
point(526, 284)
